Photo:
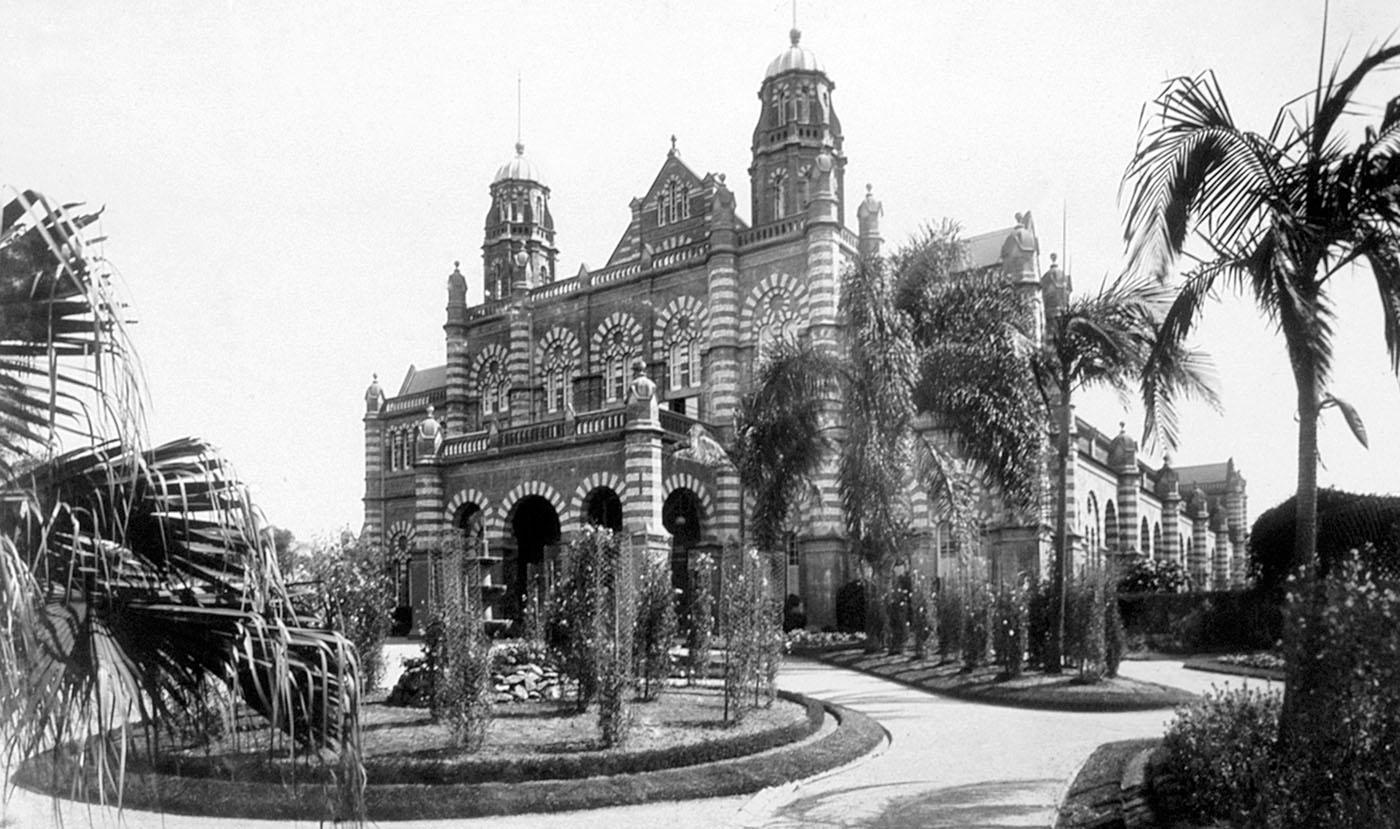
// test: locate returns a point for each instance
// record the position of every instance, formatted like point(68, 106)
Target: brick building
point(536, 425)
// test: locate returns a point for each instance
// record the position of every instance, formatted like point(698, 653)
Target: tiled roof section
point(984, 249)
point(421, 380)
point(1210, 477)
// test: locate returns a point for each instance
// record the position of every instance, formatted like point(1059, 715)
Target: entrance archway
point(602, 508)
point(682, 516)
point(535, 525)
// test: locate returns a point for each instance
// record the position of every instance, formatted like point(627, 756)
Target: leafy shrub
point(950, 622)
point(356, 592)
point(576, 618)
point(897, 612)
point(655, 626)
point(923, 615)
point(979, 607)
point(850, 607)
point(1115, 638)
point(1343, 759)
point(1346, 521)
point(1153, 576)
point(1040, 624)
point(1011, 629)
point(701, 614)
point(753, 638)
point(1085, 608)
point(820, 639)
point(612, 631)
point(1217, 756)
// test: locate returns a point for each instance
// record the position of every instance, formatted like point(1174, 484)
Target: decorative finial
point(1122, 427)
point(519, 148)
point(1054, 257)
point(795, 35)
point(456, 265)
point(720, 176)
point(519, 107)
point(673, 145)
point(869, 189)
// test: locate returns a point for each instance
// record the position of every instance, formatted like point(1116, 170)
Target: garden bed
point(1257, 665)
point(549, 764)
point(1062, 692)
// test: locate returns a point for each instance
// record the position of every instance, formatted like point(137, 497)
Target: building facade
point(563, 402)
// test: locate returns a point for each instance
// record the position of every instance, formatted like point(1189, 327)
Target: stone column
point(1123, 459)
point(823, 241)
point(456, 332)
point(1239, 528)
point(1198, 563)
point(373, 529)
point(721, 364)
point(518, 363)
point(641, 512)
point(1220, 572)
point(727, 505)
point(1171, 530)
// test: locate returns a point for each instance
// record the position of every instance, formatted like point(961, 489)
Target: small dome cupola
point(518, 168)
point(796, 123)
point(518, 221)
point(794, 59)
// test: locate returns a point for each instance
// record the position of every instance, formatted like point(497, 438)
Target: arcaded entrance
point(534, 525)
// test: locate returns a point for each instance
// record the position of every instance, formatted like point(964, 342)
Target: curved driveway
point(949, 763)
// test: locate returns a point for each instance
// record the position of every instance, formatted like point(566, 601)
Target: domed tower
point(795, 125)
point(519, 222)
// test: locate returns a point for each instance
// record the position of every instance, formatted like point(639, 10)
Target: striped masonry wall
point(641, 512)
point(518, 366)
point(1221, 571)
point(1170, 548)
point(1198, 563)
point(457, 373)
point(428, 505)
point(374, 472)
point(721, 366)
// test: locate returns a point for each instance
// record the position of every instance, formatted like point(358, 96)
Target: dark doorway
point(535, 525)
point(681, 516)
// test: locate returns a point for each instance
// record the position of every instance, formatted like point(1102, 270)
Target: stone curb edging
point(1110, 789)
point(1170, 697)
point(854, 736)
point(1216, 667)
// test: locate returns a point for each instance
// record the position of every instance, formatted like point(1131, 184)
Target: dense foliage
point(1151, 575)
point(701, 617)
point(1226, 758)
point(750, 622)
point(1346, 521)
point(655, 626)
point(356, 596)
point(1011, 628)
point(139, 576)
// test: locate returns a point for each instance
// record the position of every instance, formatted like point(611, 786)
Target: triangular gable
point(643, 230)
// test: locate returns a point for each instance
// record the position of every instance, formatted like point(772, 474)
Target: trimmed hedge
point(855, 736)
point(1210, 620)
point(1346, 521)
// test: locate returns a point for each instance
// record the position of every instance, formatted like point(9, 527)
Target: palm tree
point(1108, 339)
point(132, 580)
point(920, 337)
point(1277, 216)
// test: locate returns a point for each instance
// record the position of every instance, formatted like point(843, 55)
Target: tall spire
point(519, 107)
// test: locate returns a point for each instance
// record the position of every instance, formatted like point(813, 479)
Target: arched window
point(495, 389)
point(617, 354)
point(804, 105)
point(777, 190)
point(1110, 525)
point(777, 102)
point(1145, 539)
point(779, 324)
point(804, 186)
point(1092, 533)
point(1157, 541)
point(558, 378)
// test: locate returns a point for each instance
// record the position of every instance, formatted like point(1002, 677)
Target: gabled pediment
point(671, 214)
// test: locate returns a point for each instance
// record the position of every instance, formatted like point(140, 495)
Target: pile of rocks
point(517, 683)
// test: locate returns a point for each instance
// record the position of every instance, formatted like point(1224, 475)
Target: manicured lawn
point(1032, 689)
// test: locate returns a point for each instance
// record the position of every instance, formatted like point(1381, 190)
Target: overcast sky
point(288, 185)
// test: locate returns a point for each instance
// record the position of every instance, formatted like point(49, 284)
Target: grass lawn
point(1032, 689)
point(540, 756)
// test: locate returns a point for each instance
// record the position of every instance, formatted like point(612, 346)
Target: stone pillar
point(373, 529)
point(1123, 461)
point(518, 361)
point(721, 364)
point(1169, 491)
point(456, 330)
point(1068, 479)
point(1198, 563)
point(1239, 527)
point(641, 512)
point(823, 239)
point(727, 522)
point(1220, 531)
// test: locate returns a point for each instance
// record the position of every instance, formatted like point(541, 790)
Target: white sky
point(287, 185)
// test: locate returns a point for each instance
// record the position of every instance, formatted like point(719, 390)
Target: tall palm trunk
point(1055, 657)
point(1298, 704)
